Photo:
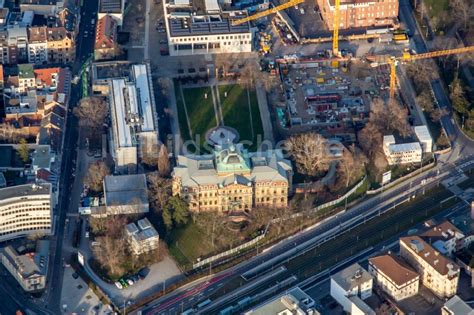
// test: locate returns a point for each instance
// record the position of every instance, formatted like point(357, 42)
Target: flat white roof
point(423, 133)
point(146, 105)
point(212, 6)
point(122, 131)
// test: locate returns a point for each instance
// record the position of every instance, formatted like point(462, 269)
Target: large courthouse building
point(231, 179)
point(360, 13)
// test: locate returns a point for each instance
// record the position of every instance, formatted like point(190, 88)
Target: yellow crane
point(407, 56)
point(289, 4)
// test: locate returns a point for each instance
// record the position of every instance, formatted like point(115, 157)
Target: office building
point(438, 273)
point(194, 27)
point(423, 135)
point(30, 270)
point(394, 276)
point(360, 13)
point(25, 210)
point(142, 236)
point(401, 153)
point(349, 287)
point(232, 179)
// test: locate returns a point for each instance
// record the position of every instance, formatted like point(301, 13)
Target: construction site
point(332, 98)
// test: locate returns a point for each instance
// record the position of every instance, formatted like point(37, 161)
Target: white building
point(192, 29)
point(30, 269)
point(456, 306)
point(114, 8)
point(25, 210)
point(402, 153)
point(37, 45)
point(438, 273)
point(394, 276)
point(350, 287)
point(294, 301)
point(142, 236)
point(423, 135)
point(134, 122)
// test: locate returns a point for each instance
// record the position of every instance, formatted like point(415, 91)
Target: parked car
point(118, 285)
point(123, 283)
point(87, 234)
point(143, 272)
point(130, 282)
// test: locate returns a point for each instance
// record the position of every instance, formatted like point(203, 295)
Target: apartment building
point(134, 122)
point(37, 45)
point(4, 57)
point(25, 210)
point(438, 273)
point(61, 48)
point(17, 43)
point(349, 287)
point(142, 236)
point(360, 13)
point(30, 269)
point(232, 179)
point(26, 77)
point(394, 276)
point(105, 46)
point(445, 238)
point(401, 153)
point(196, 28)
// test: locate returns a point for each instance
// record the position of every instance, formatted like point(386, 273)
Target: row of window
point(32, 228)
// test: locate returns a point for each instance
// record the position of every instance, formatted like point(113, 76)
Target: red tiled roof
point(46, 75)
point(105, 33)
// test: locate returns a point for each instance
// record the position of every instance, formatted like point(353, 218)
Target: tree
point(353, 161)
point(167, 217)
point(163, 161)
point(462, 11)
point(10, 134)
point(458, 99)
point(425, 101)
point(23, 151)
point(442, 140)
point(159, 190)
point(175, 212)
point(91, 112)
point(309, 153)
point(98, 225)
point(95, 175)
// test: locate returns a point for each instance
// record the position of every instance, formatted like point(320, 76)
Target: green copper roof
point(232, 159)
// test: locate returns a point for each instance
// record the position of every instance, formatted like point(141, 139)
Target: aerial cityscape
point(237, 157)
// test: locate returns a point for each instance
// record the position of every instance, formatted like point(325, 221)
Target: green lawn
point(183, 123)
point(238, 114)
point(188, 243)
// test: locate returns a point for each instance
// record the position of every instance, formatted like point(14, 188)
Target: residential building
point(401, 153)
point(68, 20)
point(37, 45)
point(294, 301)
point(394, 276)
point(349, 287)
point(17, 42)
point(438, 273)
point(193, 28)
point(125, 194)
point(134, 123)
point(423, 135)
point(233, 179)
point(41, 7)
point(4, 50)
point(29, 270)
point(105, 46)
point(61, 49)
point(142, 236)
point(114, 8)
point(25, 210)
point(360, 13)
point(445, 238)
point(26, 77)
point(456, 306)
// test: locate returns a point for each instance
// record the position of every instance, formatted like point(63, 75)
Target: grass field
point(183, 123)
point(187, 244)
point(238, 114)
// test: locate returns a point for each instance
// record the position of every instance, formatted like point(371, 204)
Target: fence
point(228, 252)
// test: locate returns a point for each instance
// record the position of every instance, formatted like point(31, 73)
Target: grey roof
point(125, 190)
point(142, 230)
point(29, 265)
point(295, 300)
point(110, 6)
point(457, 306)
point(24, 190)
point(351, 277)
point(42, 157)
point(267, 166)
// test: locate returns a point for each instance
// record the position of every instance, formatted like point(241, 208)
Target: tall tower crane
point(289, 4)
point(407, 56)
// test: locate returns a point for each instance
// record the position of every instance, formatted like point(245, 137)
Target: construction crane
point(407, 56)
point(289, 4)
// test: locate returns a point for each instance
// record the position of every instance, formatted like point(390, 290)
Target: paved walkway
point(264, 113)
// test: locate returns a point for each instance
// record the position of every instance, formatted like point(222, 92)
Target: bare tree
point(10, 134)
point(425, 101)
point(96, 174)
point(91, 112)
point(353, 161)
point(462, 11)
point(309, 153)
point(159, 190)
point(163, 161)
